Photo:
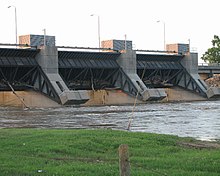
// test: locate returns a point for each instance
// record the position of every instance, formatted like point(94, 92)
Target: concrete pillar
point(190, 63)
point(48, 60)
point(128, 62)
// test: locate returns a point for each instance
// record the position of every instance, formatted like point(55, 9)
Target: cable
point(135, 102)
point(21, 99)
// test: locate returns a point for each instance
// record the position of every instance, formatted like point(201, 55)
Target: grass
point(56, 152)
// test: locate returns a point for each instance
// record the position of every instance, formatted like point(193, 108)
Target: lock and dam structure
point(53, 76)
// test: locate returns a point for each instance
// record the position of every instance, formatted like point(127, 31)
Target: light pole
point(98, 28)
point(44, 37)
point(164, 33)
point(16, 27)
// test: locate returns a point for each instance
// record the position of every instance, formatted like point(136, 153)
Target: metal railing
point(209, 64)
point(158, 51)
point(86, 48)
point(21, 46)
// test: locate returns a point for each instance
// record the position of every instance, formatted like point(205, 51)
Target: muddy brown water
point(200, 120)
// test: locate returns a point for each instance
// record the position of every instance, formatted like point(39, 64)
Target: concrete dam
point(54, 76)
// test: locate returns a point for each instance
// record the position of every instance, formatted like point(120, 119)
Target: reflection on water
point(195, 119)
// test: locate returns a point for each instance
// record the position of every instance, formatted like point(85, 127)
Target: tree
point(212, 55)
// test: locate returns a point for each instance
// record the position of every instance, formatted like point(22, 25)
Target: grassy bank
point(95, 152)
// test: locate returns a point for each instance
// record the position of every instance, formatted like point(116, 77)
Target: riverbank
point(95, 152)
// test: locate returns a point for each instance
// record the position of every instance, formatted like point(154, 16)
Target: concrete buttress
point(128, 62)
point(47, 58)
point(190, 63)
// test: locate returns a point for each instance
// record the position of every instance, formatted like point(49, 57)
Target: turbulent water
point(200, 120)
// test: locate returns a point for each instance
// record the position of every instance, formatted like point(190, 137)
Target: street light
point(98, 28)
point(16, 27)
point(44, 37)
point(164, 33)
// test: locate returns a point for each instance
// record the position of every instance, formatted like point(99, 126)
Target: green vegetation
point(212, 55)
point(27, 152)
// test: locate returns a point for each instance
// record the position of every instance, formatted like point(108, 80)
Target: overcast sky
point(71, 23)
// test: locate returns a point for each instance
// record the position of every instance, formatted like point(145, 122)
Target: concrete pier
point(128, 62)
point(190, 63)
point(48, 60)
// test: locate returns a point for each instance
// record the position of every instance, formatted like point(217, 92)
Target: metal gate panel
point(94, 60)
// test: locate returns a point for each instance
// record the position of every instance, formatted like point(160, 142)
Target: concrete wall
point(179, 94)
point(99, 97)
point(34, 99)
point(30, 98)
point(109, 97)
point(117, 97)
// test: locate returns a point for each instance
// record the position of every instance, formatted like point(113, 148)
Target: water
point(200, 120)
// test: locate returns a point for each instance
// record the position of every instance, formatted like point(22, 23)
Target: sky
point(71, 22)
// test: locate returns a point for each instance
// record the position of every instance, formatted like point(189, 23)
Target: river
point(200, 120)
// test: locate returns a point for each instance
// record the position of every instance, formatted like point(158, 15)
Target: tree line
point(212, 55)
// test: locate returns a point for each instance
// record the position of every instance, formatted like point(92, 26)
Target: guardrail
point(209, 64)
point(158, 51)
point(25, 46)
point(86, 48)
point(21, 46)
